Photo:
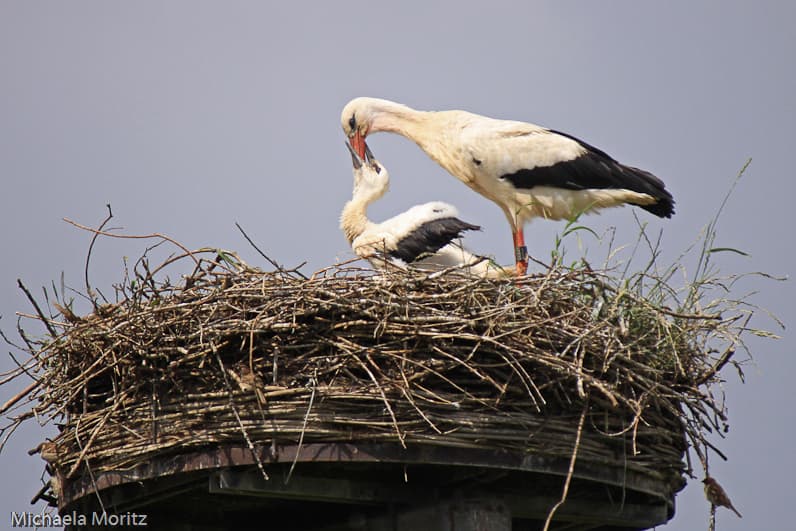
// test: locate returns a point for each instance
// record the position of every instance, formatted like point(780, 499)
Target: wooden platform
point(336, 487)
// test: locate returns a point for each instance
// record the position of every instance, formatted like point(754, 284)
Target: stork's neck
point(435, 132)
point(354, 218)
point(418, 126)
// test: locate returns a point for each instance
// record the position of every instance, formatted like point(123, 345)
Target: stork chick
point(422, 237)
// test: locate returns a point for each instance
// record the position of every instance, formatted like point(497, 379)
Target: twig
point(384, 399)
point(91, 438)
point(716, 367)
point(44, 319)
point(41, 495)
point(135, 237)
point(313, 383)
point(270, 261)
point(83, 449)
point(571, 470)
point(234, 409)
point(89, 291)
point(19, 396)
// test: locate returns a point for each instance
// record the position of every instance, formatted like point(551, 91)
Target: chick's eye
point(352, 122)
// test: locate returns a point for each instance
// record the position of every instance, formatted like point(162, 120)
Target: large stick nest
point(233, 354)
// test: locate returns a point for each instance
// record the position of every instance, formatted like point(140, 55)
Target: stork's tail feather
point(663, 206)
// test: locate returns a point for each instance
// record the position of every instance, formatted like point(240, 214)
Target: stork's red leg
point(520, 252)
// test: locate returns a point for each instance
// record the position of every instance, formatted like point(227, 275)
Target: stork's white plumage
point(528, 170)
point(423, 236)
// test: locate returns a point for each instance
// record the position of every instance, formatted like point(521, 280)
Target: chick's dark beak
point(369, 158)
point(356, 161)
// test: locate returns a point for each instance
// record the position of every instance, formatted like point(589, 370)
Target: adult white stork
point(421, 237)
point(528, 170)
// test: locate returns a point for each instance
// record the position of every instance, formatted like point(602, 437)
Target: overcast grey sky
point(187, 116)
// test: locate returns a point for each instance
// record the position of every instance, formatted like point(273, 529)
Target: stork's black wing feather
point(430, 237)
point(595, 169)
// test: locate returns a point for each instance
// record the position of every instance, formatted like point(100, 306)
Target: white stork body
point(529, 171)
point(421, 237)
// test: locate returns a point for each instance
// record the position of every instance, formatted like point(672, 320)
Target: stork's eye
point(352, 122)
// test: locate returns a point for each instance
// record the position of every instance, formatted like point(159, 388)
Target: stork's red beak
point(358, 143)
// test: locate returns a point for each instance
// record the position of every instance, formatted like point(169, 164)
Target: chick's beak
point(369, 158)
point(358, 143)
point(356, 161)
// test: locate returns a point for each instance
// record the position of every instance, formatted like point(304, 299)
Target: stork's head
point(370, 177)
point(362, 116)
point(356, 119)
